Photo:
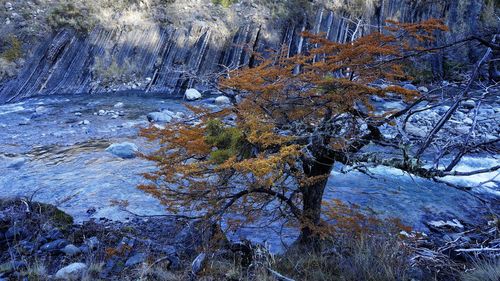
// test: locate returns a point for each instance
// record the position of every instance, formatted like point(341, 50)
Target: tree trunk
point(312, 197)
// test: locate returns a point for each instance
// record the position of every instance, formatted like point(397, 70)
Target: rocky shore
point(40, 242)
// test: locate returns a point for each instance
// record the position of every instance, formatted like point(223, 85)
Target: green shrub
point(73, 14)
point(13, 50)
point(110, 71)
point(227, 140)
point(224, 3)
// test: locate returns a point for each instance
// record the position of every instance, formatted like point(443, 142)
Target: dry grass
point(488, 270)
point(370, 258)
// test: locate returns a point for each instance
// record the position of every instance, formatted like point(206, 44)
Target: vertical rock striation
point(164, 59)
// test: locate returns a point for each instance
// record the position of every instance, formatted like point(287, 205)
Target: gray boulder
point(73, 271)
point(192, 94)
point(222, 100)
point(125, 150)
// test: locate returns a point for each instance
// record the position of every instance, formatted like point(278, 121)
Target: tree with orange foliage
point(270, 154)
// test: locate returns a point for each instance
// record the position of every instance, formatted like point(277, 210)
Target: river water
point(53, 150)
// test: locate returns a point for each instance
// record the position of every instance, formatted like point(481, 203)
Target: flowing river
point(52, 149)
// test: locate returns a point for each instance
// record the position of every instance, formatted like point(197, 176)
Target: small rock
point(26, 247)
point(8, 6)
point(84, 122)
point(446, 224)
point(78, 114)
point(468, 121)
point(101, 112)
point(462, 129)
point(410, 87)
point(119, 105)
point(376, 98)
point(163, 117)
point(73, 271)
point(125, 150)
point(222, 100)
point(15, 232)
point(54, 234)
point(414, 130)
point(135, 260)
point(469, 104)
point(11, 266)
point(84, 249)
point(198, 263)
point(93, 243)
point(16, 163)
point(24, 122)
point(41, 109)
point(192, 94)
point(71, 250)
point(423, 89)
point(54, 246)
point(443, 109)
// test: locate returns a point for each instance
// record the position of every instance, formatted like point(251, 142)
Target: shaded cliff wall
point(162, 58)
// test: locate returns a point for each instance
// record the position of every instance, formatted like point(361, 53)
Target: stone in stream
point(162, 117)
point(416, 131)
point(84, 122)
point(16, 163)
point(41, 109)
point(423, 89)
point(410, 87)
point(192, 94)
point(73, 271)
point(119, 105)
point(222, 100)
point(125, 150)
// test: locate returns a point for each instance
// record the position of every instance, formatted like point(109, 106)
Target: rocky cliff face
point(196, 38)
